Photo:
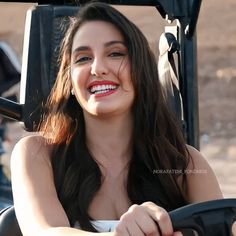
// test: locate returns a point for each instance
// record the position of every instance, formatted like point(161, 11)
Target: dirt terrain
point(216, 69)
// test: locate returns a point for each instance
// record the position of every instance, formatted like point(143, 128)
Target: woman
point(108, 151)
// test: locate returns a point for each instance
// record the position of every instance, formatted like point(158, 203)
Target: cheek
point(127, 82)
point(78, 79)
point(125, 74)
point(79, 86)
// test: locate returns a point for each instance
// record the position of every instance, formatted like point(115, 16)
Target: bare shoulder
point(33, 143)
point(201, 179)
point(33, 147)
point(197, 159)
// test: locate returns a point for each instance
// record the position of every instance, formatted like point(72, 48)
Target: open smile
point(102, 89)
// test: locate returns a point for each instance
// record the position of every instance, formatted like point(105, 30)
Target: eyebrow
point(114, 42)
point(107, 44)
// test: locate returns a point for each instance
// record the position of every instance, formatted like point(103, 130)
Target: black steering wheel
point(211, 218)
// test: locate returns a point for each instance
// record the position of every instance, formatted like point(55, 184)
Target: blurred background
point(216, 34)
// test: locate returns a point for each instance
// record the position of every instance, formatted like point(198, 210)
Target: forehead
point(96, 32)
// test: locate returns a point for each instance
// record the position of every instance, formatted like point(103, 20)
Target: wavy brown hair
point(156, 171)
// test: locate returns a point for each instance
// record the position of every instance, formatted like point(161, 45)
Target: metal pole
point(189, 83)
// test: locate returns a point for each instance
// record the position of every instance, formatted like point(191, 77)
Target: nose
point(99, 67)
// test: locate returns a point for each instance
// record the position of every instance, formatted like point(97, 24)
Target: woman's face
point(100, 70)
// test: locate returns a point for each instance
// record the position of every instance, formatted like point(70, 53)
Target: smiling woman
point(100, 70)
point(106, 132)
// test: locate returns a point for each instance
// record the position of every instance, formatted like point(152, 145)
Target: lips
point(102, 87)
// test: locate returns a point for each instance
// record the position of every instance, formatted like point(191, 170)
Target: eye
point(117, 54)
point(82, 60)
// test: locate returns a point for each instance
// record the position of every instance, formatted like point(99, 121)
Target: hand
point(147, 219)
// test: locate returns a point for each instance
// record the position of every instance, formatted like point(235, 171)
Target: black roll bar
point(10, 109)
point(195, 9)
point(169, 9)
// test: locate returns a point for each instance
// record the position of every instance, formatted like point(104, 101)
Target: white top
point(102, 225)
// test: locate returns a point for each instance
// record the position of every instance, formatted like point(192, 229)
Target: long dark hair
point(159, 155)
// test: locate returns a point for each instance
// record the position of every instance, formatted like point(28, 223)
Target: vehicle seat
point(8, 222)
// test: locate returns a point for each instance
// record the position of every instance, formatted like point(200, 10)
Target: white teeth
point(102, 88)
point(102, 91)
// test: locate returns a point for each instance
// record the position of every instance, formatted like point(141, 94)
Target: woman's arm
point(202, 184)
point(37, 207)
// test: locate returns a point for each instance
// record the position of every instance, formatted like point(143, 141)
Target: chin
point(102, 113)
point(105, 112)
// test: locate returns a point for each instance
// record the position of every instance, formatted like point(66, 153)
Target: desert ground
point(216, 34)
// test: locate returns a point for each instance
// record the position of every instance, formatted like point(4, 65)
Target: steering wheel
point(211, 218)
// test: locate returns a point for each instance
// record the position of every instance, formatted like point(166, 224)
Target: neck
point(110, 141)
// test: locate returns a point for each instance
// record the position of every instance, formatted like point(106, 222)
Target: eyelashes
point(80, 60)
point(117, 54)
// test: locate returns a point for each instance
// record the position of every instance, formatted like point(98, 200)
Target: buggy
point(178, 61)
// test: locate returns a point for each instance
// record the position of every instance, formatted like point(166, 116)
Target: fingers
point(137, 222)
point(130, 228)
point(146, 219)
point(121, 230)
point(177, 234)
point(160, 216)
